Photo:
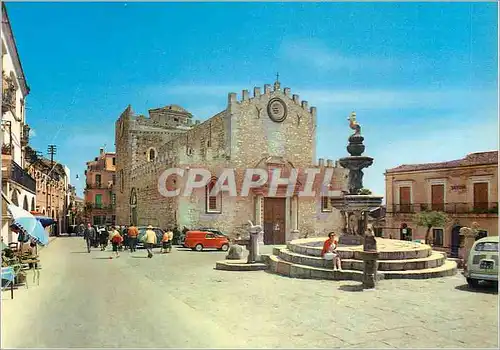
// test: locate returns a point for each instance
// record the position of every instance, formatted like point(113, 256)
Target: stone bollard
point(370, 260)
point(253, 246)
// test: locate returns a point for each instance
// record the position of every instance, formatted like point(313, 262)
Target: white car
point(482, 262)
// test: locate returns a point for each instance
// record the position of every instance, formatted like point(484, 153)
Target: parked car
point(482, 262)
point(142, 232)
point(206, 239)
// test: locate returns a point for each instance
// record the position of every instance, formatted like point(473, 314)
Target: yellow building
point(465, 189)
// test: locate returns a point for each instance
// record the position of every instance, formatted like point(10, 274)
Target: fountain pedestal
point(357, 203)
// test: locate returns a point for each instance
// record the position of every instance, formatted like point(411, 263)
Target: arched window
point(122, 181)
point(33, 204)
point(151, 154)
point(25, 203)
point(14, 198)
point(213, 200)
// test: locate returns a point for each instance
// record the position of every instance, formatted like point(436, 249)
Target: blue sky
point(422, 78)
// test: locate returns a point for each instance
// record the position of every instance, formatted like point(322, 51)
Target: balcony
point(13, 172)
point(8, 94)
point(449, 208)
point(100, 206)
point(25, 135)
point(7, 149)
point(99, 186)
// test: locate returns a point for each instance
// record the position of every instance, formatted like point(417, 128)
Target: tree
point(430, 219)
point(364, 191)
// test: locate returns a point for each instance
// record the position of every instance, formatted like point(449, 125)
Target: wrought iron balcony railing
point(8, 94)
point(7, 149)
point(21, 176)
point(99, 186)
point(100, 206)
point(450, 208)
point(25, 135)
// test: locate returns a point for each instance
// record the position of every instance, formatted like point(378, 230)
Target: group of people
point(125, 238)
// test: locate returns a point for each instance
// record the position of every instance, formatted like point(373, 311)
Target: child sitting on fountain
point(329, 251)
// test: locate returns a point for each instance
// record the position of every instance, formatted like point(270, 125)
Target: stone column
point(370, 260)
point(258, 209)
point(253, 251)
point(259, 216)
point(295, 218)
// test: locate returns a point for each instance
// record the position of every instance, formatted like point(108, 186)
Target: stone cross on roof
point(277, 83)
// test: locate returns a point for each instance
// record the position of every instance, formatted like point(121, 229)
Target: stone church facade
point(271, 129)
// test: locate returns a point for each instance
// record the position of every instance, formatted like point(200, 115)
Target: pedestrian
point(126, 238)
point(116, 239)
point(150, 240)
point(329, 251)
point(177, 235)
point(132, 233)
point(165, 242)
point(103, 239)
point(170, 240)
point(88, 235)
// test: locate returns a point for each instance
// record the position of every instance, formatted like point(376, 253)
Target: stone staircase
point(397, 260)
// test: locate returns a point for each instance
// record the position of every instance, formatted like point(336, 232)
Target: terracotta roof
point(478, 158)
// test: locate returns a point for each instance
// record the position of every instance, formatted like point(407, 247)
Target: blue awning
point(45, 220)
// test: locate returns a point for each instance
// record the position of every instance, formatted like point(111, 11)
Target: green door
point(98, 200)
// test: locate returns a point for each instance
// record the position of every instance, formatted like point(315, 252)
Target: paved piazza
point(180, 300)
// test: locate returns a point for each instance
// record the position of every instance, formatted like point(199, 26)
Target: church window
point(151, 154)
point(325, 205)
point(213, 202)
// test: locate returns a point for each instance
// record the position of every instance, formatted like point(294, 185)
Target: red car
point(199, 240)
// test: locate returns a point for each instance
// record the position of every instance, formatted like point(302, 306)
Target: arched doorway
point(33, 204)
point(25, 203)
point(455, 240)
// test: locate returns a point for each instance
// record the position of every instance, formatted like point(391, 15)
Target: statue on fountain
point(353, 124)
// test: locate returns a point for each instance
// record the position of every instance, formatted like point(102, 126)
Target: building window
point(325, 205)
point(114, 161)
point(98, 180)
point(437, 237)
point(481, 196)
point(151, 154)
point(437, 197)
point(98, 200)
point(404, 199)
point(113, 179)
point(122, 181)
point(213, 203)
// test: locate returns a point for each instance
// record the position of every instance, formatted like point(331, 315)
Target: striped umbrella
point(28, 224)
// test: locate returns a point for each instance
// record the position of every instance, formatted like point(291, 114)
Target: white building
point(17, 184)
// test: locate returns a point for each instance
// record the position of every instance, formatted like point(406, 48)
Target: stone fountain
point(356, 206)
point(353, 205)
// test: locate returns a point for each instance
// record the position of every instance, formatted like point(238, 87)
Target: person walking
point(116, 239)
point(165, 242)
point(133, 232)
point(170, 241)
point(126, 238)
point(88, 235)
point(103, 239)
point(150, 240)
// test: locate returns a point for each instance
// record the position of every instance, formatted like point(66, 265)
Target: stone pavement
point(180, 300)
